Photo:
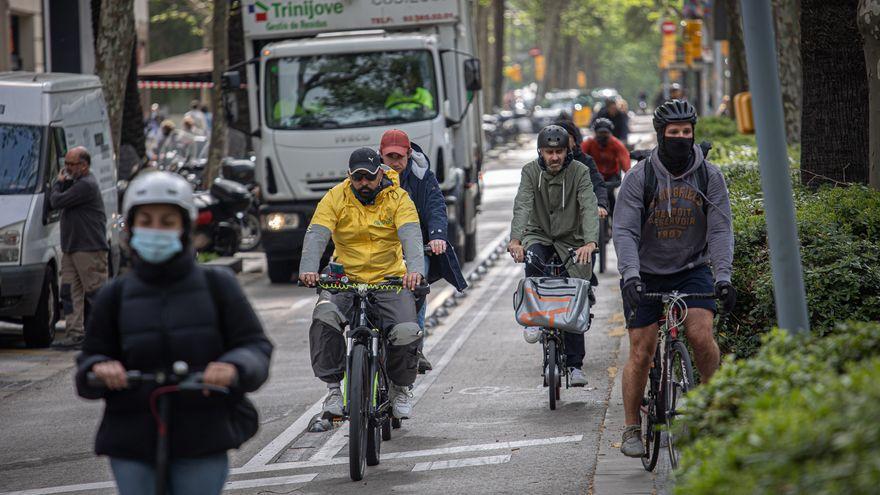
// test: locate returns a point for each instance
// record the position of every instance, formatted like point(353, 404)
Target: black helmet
point(674, 111)
point(602, 123)
point(553, 136)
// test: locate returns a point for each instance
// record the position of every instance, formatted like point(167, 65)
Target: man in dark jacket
point(574, 143)
point(621, 122)
point(83, 237)
point(414, 169)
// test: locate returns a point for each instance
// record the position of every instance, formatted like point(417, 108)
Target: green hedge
point(798, 417)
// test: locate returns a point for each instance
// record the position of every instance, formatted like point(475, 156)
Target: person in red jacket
point(610, 155)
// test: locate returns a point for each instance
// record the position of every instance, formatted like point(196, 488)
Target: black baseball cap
point(365, 159)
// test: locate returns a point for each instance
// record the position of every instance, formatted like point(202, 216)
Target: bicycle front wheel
point(651, 414)
point(375, 429)
point(359, 412)
point(679, 380)
point(552, 373)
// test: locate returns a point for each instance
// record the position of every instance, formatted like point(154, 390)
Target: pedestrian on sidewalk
point(672, 222)
point(171, 309)
point(84, 244)
point(414, 169)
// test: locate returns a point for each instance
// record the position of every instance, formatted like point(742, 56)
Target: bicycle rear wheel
point(359, 412)
point(651, 415)
point(603, 241)
point(552, 373)
point(679, 380)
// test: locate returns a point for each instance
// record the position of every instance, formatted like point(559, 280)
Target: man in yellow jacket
point(374, 226)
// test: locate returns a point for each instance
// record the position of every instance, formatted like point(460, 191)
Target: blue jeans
point(186, 476)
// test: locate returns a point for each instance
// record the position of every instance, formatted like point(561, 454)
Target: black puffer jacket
point(152, 317)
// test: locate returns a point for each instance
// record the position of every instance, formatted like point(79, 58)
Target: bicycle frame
point(361, 330)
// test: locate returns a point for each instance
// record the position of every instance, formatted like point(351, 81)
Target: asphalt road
point(481, 422)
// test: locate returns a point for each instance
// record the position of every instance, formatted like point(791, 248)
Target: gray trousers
point(393, 313)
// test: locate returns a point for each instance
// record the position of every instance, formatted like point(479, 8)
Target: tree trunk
point(132, 112)
point(739, 77)
point(219, 28)
point(498, 67)
point(237, 56)
point(788, 49)
point(549, 36)
point(834, 132)
point(869, 25)
point(483, 53)
point(113, 44)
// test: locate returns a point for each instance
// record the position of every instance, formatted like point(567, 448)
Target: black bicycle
point(554, 368)
point(179, 380)
point(365, 399)
point(670, 377)
point(605, 224)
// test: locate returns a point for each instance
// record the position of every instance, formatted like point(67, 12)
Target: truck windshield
point(350, 90)
point(19, 158)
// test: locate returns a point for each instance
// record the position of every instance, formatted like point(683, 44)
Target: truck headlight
point(280, 221)
point(10, 243)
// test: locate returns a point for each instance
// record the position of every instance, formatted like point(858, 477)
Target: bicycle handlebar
point(336, 285)
point(183, 381)
point(664, 296)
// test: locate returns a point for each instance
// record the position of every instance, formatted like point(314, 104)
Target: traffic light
point(582, 79)
point(514, 72)
point(540, 67)
point(667, 49)
point(693, 41)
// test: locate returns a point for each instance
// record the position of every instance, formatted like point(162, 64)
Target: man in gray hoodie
point(672, 222)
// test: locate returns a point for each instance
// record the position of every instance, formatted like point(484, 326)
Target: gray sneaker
point(401, 398)
point(72, 341)
point(577, 377)
point(632, 445)
point(333, 402)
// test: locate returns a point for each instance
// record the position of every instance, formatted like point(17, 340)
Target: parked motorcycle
point(222, 210)
point(243, 171)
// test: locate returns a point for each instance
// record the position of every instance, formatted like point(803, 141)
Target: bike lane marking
point(459, 463)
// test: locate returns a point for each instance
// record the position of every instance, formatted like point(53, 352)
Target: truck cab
point(319, 90)
point(41, 116)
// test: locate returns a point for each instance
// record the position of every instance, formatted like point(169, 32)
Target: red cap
point(394, 141)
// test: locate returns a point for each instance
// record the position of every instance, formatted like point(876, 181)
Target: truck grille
point(322, 185)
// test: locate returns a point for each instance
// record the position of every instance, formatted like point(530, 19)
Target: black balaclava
point(675, 153)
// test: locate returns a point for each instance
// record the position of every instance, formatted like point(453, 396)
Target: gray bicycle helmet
point(674, 111)
point(553, 136)
point(603, 123)
point(160, 188)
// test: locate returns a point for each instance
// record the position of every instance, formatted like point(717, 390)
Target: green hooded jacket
point(558, 210)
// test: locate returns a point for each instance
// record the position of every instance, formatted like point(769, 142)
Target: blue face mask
point(155, 245)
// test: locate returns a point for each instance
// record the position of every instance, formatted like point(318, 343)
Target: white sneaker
point(333, 402)
point(401, 401)
point(576, 377)
point(532, 334)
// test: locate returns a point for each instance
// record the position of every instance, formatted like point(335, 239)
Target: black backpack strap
point(213, 282)
point(650, 188)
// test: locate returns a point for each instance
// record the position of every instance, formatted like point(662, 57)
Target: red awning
point(174, 85)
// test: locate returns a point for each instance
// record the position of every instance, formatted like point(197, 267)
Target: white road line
point(261, 482)
point(89, 487)
point(302, 303)
point(338, 440)
point(274, 448)
point(457, 463)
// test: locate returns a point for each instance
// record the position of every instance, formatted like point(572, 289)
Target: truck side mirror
point(230, 81)
point(472, 81)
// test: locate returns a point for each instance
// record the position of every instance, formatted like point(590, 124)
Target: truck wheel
point(39, 329)
point(280, 271)
point(470, 244)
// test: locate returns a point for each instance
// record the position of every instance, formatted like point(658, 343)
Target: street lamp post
point(785, 260)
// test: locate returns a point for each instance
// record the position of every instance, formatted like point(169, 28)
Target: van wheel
point(470, 244)
point(280, 271)
point(39, 329)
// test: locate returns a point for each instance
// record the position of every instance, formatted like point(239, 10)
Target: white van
point(41, 116)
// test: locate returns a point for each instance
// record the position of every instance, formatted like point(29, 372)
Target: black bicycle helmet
point(674, 111)
point(553, 136)
point(602, 123)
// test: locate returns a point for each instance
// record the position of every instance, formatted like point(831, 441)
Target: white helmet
point(160, 188)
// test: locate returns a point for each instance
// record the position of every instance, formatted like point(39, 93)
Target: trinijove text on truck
point(325, 78)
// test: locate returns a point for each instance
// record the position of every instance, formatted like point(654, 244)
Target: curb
point(234, 264)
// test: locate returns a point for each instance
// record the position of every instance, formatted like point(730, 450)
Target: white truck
point(328, 76)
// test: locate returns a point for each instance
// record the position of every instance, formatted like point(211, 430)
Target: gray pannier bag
point(561, 303)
